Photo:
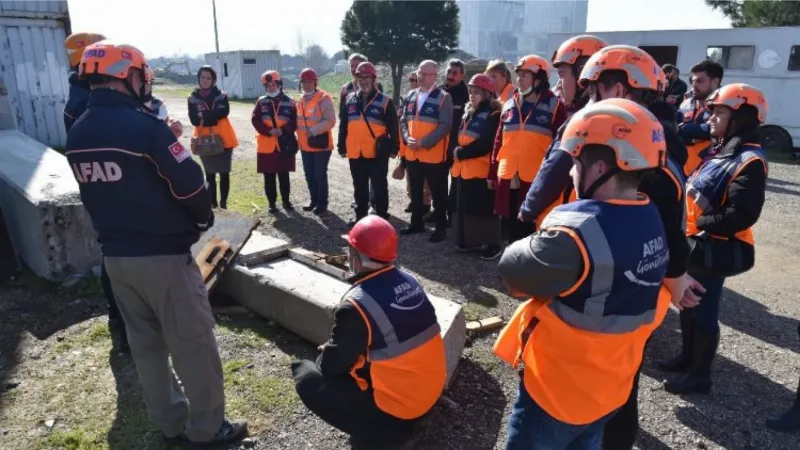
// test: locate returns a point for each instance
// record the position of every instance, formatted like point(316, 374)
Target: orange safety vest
point(527, 137)
point(422, 122)
point(309, 115)
point(581, 350)
point(223, 128)
point(470, 131)
point(697, 150)
point(707, 188)
point(268, 144)
point(405, 350)
point(360, 143)
point(505, 96)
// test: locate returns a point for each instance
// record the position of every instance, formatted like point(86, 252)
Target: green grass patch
point(476, 311)
point(97, 334)
point(251, 333)
point(262, 399)
point(77, 439)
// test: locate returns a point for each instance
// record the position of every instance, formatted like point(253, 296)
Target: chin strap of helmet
point(592, 189)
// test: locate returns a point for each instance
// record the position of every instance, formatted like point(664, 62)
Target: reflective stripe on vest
point(421, 123)
point(360, 143)
point(675, 172)
point(707, 188)
point(268, 144)
point(408, 367)
point(470, 131)
point(600, 301)
point(309, 115)
point(526, 137)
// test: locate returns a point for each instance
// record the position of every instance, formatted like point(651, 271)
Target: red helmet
point(308, 75)
point(374, 237)
point(482, 81)
point(366, 68)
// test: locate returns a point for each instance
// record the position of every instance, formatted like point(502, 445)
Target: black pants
point(224, 188)
point(366, 172)
point(452, 197)
point(269, 188)
point(113, 309)
point(340, 403)
point(514, 229)
point(620, 432)
point(436, 175)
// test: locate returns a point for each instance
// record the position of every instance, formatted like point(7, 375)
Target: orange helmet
point(533, 64)
point(573, 48)
point(107, 58)
point(633, 132)
point(374, 237)
point(737, 94)
point(643, 71)
point(75, 43)
point(269, 76)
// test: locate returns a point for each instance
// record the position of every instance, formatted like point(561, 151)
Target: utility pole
point(220, 69)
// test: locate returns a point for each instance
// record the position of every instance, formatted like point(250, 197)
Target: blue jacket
point(76, 102)
point(144, 192)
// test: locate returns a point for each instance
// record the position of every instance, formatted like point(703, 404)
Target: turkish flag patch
point(179, 152)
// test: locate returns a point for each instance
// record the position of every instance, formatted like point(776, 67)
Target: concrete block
point(303, 299)
point(51, 230)
point(260, 248)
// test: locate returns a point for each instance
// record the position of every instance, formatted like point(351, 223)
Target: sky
point(167, 27)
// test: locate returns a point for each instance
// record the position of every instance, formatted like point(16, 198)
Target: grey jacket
point(442, 129)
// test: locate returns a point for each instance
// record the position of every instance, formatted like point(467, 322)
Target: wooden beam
point(485, 324)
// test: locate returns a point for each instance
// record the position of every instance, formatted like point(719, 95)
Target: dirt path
point(755, 373)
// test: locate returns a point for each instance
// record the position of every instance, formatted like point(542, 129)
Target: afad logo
point(657, 135)
point(95, 52)
point(620, 130)
point(127, 55)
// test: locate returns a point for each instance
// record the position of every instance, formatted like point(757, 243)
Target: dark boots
point(698, 378)
point(682, 362)
point(790, 420)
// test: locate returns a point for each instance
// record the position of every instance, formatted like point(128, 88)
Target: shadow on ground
point(754, 319)
point(740, 399)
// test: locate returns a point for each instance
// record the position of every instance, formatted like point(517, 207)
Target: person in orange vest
point(78, 95)
point(317, 117)
point(275, 115)
point(706, 77)
point(503, 87)
point(552, 185)
point(724, 198)
point(425, 127)
point(413, 83)
point(477, 228)
point(622, 71)
point(594, 275)
point(384, 365)
point(208, 112)
point(530, 120)
point(368, 137)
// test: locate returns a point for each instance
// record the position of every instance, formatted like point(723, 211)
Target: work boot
point(229, 433)
point(320, 210)
point(288, 206)
point(309, 207)
point(409, 208)
point(698, 379)
point(438, 236)
point(409, 230)
point(682, 362)
point(790, 420)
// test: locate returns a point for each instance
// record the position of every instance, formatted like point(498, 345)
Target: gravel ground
point(755, 373)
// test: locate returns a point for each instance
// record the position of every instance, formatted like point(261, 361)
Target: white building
point(509, 29)
point(239, 72)
point(34, 69)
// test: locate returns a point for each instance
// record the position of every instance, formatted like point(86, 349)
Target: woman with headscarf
point(275, 120)
point(208, 112)
point(477, 227)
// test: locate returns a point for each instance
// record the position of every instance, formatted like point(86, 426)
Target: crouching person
point(594, 272)
point(384, 366)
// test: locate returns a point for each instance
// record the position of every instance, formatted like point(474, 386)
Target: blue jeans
point(531, 428)
point(707, 312)
point(315, 166)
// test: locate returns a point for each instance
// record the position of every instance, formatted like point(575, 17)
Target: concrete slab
point(302, 299)
point(260, 248)
point(51, 230)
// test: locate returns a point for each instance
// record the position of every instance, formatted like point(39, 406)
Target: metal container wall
point(34, 67)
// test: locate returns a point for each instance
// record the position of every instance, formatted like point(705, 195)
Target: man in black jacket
point(455, 86)
point(676, 88)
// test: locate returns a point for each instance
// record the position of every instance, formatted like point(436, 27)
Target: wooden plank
point(485, 324)
point(317, 261)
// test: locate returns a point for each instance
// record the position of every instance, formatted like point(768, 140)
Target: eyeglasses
point(412, 80)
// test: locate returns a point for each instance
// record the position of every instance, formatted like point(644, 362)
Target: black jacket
point(485, 142)
point(77, 100)
point(216, 107)
point(460, 95)
point(144, 192)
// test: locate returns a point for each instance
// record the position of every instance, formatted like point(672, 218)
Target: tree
point(397, 33)
point(753, 14)
point(317, 59)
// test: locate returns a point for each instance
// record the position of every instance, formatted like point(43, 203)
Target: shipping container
point(34, 67)
point(239, 72)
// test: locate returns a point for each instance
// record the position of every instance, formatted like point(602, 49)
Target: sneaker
point(491, 253)
point(223, 205)
point(272, 209)
point(320, 210)
point(412, 230)
point(229, 433)
point(288, 206)
point(309, 207)
point(408, 208)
